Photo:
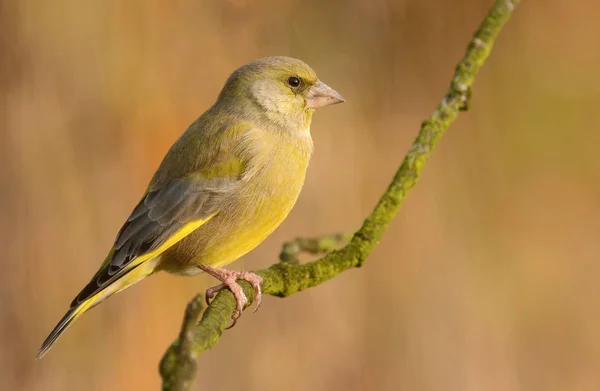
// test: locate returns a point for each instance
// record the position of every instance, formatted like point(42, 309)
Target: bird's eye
point(293, 82)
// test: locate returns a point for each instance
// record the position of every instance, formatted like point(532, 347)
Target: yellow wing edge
point(141, 267)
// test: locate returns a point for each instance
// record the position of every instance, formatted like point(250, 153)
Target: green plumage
point(223, 187)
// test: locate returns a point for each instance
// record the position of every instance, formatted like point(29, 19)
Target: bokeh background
point(487, 279)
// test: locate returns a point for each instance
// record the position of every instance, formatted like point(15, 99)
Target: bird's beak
point(321, 95)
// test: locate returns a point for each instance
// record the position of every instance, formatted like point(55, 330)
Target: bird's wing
point(162, 218)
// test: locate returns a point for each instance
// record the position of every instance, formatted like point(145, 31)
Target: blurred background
point(487, 279)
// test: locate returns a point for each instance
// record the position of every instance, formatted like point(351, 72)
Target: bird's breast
point(263, 202)
point(259, 206)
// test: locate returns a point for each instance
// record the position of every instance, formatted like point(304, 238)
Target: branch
point(183, 359)
point(286, 278)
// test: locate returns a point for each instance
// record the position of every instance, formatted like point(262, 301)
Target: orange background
point(487, 279)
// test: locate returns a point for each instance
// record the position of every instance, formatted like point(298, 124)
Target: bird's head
point(285, 89)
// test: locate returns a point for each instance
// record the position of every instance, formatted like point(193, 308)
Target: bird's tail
point(125, 281)
point(72, 314)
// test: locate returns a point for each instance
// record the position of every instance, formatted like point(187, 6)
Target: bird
point(222, 188)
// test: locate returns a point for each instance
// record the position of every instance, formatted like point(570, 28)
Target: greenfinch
point(229, 180)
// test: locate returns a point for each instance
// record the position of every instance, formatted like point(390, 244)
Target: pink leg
point(228, 279)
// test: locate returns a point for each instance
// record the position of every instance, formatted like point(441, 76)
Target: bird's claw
point(229, 280)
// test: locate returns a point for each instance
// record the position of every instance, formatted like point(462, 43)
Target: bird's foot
point(228, 279)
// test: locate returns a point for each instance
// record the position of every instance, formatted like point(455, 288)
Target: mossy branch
point(288, 277)
point(184, 372)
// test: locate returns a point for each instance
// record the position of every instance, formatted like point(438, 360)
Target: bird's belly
point(237, 229)
point(249, 231)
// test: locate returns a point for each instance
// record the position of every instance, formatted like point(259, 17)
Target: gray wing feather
point(160, 214)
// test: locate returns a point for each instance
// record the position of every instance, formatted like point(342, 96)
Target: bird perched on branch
point(222, 188)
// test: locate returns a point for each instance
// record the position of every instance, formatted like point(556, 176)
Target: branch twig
point(320, 245)
point(286, 278)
